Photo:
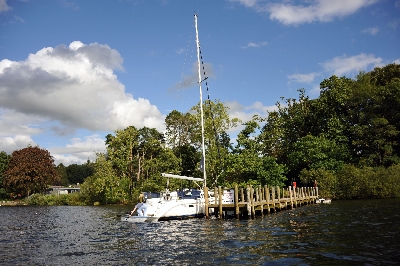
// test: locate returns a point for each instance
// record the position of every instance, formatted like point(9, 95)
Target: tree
point(31, 170)
point(179, 128)
point(216, 123)
point(4, 160)
point(247, 164)
point(104, 185)
point(62, 172)
point(78, 173)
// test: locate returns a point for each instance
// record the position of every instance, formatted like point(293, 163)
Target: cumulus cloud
point(246, 113)
point(15, 142)
point(371, 31)
point(311, 11)
point(75, 86)
point(4, 7)
point(64, 89)
point(348, 66)
point(303, 78)
point(79, 150)
point(343, 65)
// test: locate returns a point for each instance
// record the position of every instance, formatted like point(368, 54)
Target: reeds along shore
point(250, 201)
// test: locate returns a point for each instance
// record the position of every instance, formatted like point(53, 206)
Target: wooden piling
point(253, 212)
point(220, 202)
point(248, 201)
point(206, 201)
point(237, 213)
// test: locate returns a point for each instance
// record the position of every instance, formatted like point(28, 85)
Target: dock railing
point(259, 200)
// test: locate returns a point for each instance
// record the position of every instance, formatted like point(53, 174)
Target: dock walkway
point(258, 200)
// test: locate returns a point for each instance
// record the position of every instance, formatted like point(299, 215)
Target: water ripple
point(345, 233)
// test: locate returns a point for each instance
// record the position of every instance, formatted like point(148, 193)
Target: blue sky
point(72, 72)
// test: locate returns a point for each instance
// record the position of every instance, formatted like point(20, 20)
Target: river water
point(363, 232)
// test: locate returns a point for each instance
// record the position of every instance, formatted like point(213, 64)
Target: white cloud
point(248, 3)
point(397, 61)
point(313, 10)
point(254, 45)
point(340, 66)
point(75, 86)
point(9, 144)
point(246, 113)
point(343, 65)
point(397, 4)
point(64, 89)
point(79, 151)
point(303, 78)
point(371, 31)
point(3, 6)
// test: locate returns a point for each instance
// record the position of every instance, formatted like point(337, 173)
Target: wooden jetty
point(251, 201)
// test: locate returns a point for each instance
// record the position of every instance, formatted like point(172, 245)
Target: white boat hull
point(171, 207)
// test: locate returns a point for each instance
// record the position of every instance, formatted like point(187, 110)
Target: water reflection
point(353, 233)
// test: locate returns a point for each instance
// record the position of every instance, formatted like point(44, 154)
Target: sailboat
point(170, 204)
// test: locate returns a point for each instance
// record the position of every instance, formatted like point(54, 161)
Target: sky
point(72, 71)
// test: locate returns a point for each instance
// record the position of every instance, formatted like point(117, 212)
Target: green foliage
point(73, 199)
point(317, 152)
point(4, 160)
point(247, 163)
point(368, 182)
point(78, 173)
point(325, 179)
point(30, 170)
point(352, 182)
point(104, 185)
point(62, 172)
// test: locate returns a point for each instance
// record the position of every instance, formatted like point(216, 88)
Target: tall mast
point(201, 102)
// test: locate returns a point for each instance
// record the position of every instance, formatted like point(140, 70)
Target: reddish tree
point(30, 170)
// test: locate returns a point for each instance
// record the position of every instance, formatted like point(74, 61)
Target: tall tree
point(4, 160)
point(62, 172)
point(179, 128)
point(247, 163)
point(78, 173)
point(31, 170)
point(216, 123)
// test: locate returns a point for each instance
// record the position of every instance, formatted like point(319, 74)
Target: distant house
point(59, 190)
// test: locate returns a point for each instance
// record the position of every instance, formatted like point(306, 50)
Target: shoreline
point(13, 203)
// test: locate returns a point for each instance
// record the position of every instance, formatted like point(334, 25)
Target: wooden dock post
point(273, 198)
point(248, 201)
point(291, 197)
point(257, 195)
point(237, 202)
point(267, 197)
point(220, 201)
point(253, 212)
point(206, 201)
point(261, 193)
point(216, 201)
point(279, 196)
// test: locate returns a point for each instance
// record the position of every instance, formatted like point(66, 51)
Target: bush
point(326, 180)
point(72, 199)
point(368, 182)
